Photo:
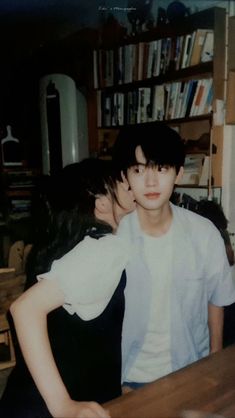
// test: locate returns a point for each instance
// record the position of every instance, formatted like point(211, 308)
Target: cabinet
point(158, 76)
point(17, 186)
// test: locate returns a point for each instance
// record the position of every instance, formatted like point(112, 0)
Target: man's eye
point(139, 169)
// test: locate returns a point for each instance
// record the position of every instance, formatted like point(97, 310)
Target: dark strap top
point(88, 356)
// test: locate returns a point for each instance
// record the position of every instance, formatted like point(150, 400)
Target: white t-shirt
point(154, 359)
point(89, 274)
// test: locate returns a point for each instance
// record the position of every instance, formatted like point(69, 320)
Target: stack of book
point(144, 60)
point(181, 99)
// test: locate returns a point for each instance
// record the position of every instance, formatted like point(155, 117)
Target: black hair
point(214, 212)
point(160, 144)
point(71, 197)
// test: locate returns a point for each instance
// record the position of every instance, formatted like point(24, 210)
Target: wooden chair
point(7, 354)
point(11, 286)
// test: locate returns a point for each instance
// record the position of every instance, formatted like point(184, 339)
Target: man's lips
point(152, 195)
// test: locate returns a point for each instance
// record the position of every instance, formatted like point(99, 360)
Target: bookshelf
point(173, 73)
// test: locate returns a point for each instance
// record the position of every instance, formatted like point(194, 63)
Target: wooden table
point(207, 385)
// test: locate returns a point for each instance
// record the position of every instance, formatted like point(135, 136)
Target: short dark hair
point(160, 144)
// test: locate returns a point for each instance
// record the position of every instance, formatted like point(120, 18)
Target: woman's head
point(90, 187)
point(84, 198)
point(87, 193)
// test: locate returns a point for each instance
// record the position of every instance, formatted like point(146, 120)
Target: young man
point(179, 280)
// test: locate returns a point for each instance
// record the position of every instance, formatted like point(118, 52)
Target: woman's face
point(126, 202)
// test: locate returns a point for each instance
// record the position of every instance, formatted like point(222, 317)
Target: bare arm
point(216, 324)
point(29, 312)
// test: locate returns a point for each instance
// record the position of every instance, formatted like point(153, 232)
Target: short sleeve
point(220, 284)
point(89, 274)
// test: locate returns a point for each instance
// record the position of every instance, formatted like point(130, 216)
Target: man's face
point(152, 186)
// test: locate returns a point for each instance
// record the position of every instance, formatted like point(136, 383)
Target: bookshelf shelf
point(206, 117)
point(205, 69)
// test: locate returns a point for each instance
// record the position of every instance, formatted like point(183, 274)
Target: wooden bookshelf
point(190, 126)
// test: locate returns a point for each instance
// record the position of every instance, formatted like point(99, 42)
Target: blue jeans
point(134, 385)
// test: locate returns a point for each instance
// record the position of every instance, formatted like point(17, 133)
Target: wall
point(119, 8)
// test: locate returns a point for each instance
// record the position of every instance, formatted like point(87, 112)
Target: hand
point(126, 389)
point(74, 409)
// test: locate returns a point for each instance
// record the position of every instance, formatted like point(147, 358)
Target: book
point(150, 59)
point(95, 69)
point(128, 63)
point(120, 72)
point(179, 51)
point(140, 60)
point(187, 64)
point(101, 68)
point(164, 52)
point(114, 117)
point(135, 62)
point(147, 104)
point(174, 91)
point(208, 84)
point(205, 172)
point(207, 52)
point(192, 169)
point(180, 99)
point(158, 102)
point(167, 55)
point(109, 68)
point(197, 46)
point(191, 97)
point(107, 110)
point(186, 93)
point(145, 59)
point(120, 109)
point(186, 49)
point(197, 98)
point(167, 91)
point(99, 108)
point(209, 100)
point(157, 58)
point(141, 107)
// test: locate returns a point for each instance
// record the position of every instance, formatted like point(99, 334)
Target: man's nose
point(151, 177)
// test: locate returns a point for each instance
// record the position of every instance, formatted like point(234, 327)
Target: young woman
point(78, 359)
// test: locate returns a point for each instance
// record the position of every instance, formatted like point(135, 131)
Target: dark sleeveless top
point(88, 356)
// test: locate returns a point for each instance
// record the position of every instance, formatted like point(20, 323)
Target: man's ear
point(103, 205)
point(124, 181)
point(179, 175)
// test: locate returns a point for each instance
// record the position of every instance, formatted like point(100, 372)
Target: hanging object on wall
point(11, 149)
